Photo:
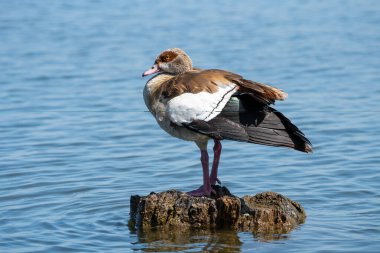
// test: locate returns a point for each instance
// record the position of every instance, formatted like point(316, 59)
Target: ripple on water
point(76, 140)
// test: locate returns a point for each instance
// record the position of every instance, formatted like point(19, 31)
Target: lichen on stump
point(266, 212)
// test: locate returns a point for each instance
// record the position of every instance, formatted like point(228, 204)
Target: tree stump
point(264, 213)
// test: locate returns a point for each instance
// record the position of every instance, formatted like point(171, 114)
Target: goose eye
point(165, 58)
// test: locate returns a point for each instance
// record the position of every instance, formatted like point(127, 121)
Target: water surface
point(76, 140)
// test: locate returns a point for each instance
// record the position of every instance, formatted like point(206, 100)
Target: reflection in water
point(161, 240)
point(262, 237)
point(177, 240)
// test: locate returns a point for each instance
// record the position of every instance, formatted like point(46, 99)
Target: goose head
point(172, 61)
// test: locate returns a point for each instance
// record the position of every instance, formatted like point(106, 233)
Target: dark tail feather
point(262, 124)
point(277, 130)
point(245, 119)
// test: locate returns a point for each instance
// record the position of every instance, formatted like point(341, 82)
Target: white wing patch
point(205, 106)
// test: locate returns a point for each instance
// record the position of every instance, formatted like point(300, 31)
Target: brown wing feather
point(263, 92)
point(197, 80)
point(194, 81)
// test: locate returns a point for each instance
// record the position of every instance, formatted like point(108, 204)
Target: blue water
point(76, 140)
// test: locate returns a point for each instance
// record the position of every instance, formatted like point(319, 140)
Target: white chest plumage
point(158, 107)
point(205, 106)
point(172, 113)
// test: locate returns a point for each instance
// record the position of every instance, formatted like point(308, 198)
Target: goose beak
point(152, 70)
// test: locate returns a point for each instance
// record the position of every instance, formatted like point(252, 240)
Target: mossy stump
point(264, 213)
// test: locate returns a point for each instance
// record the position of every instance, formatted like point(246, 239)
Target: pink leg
point(205, 189)
point(215, 164)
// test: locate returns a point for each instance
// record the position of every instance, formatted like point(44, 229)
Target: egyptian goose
point(199, 105)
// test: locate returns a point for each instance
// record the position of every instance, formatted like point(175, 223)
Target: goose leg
point(215, 163)
point(205, 189)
